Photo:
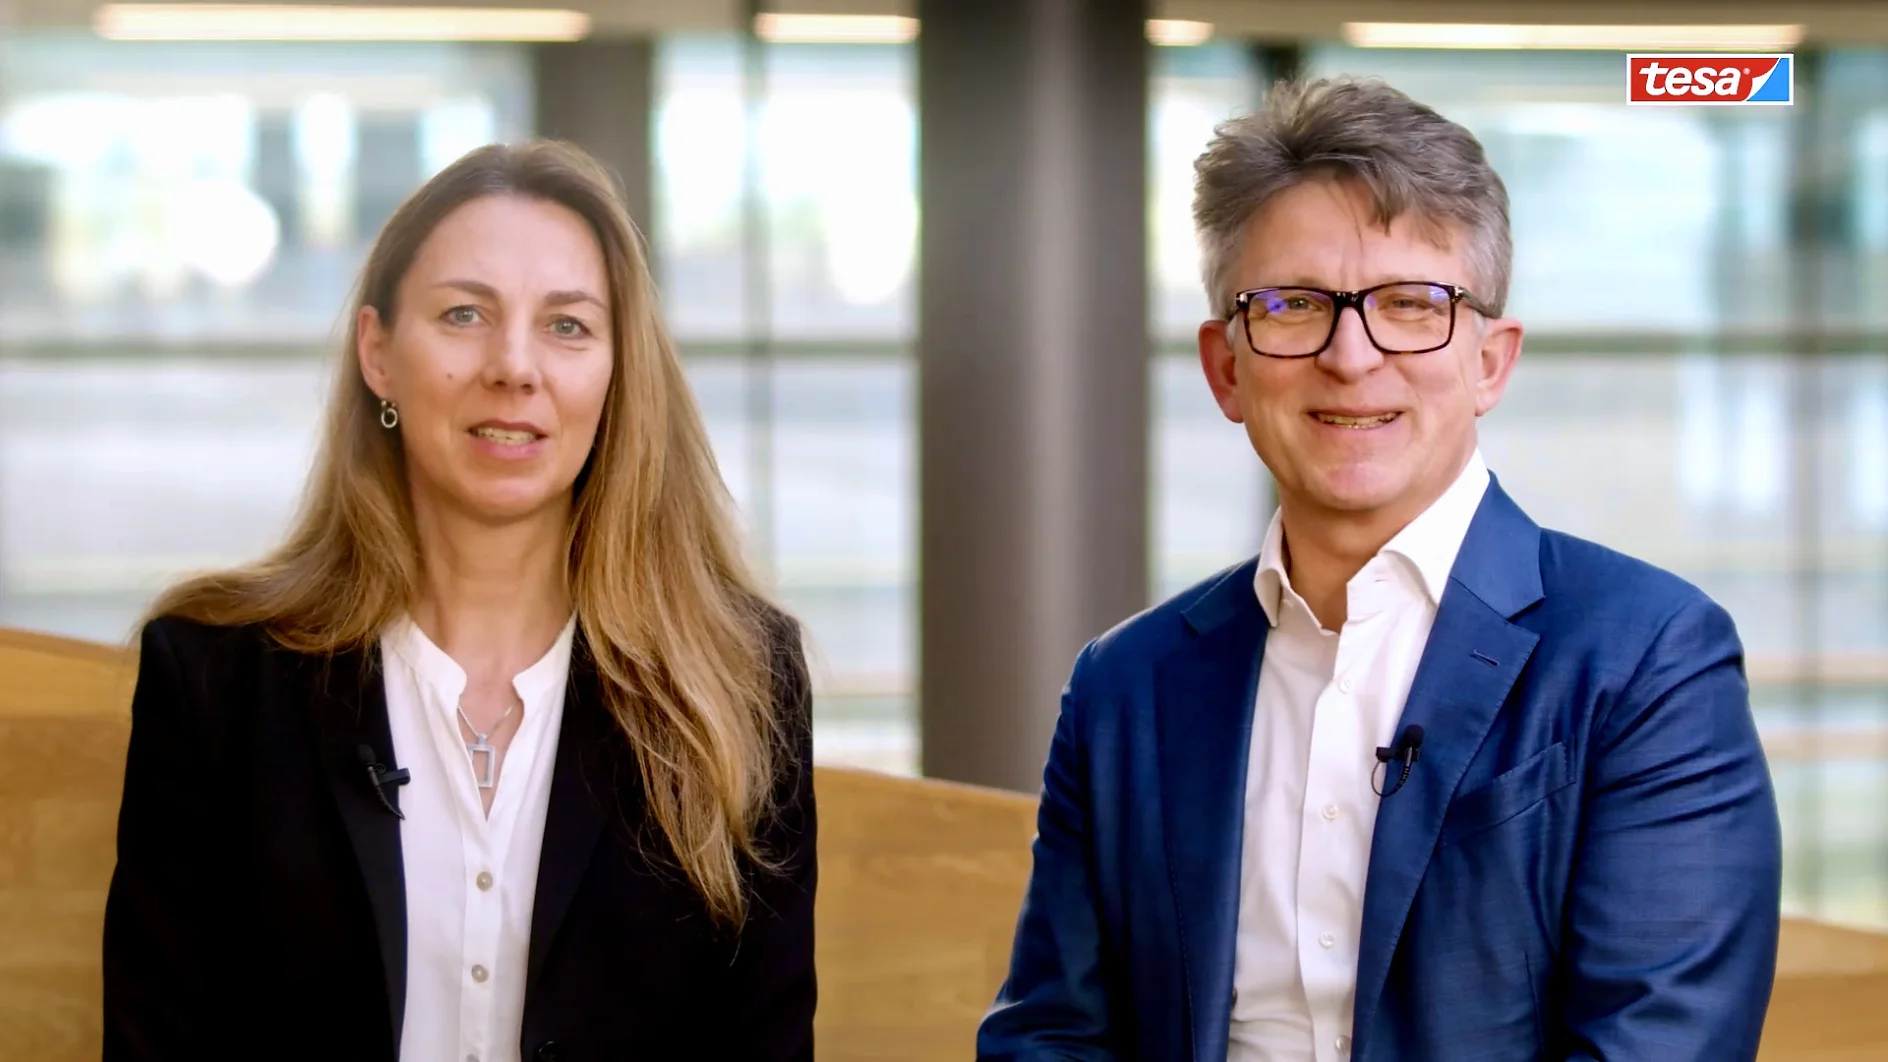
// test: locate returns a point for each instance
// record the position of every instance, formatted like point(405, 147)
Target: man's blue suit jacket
point(1584, 864)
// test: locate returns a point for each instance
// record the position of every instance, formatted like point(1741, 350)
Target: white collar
point(430, 664)
point(1428, 544)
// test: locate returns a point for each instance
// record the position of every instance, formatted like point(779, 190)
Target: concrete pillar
point(1033, 364)
point(600, 94)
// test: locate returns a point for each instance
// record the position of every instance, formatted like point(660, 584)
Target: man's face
point(1354, 431)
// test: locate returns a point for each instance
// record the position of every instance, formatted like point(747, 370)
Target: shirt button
point(1343, 1045)
point(1330, 811)
point(1344, 684)
point(471, 1058)
point(1325, 939)
point(484, 880)
point(479, 974)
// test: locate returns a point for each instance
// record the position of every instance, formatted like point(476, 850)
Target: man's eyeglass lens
point(1402, 318)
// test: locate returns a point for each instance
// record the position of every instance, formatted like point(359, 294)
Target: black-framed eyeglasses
point(1402, 317)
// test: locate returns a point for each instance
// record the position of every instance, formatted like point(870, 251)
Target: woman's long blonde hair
point(669, 612)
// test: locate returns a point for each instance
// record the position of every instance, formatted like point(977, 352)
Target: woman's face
point(498, 358)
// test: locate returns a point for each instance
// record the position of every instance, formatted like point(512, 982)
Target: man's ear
point(1219, 359)
point(1495, 361)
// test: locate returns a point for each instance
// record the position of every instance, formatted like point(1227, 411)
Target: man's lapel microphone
point(1407, 750)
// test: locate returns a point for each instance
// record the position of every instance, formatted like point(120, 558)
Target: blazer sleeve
point(1675, 902)
point(162, 935)
point(773, 989)
point(1054, 1005)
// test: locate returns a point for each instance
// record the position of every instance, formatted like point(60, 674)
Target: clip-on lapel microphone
point(1408, 748)
point(379, 776)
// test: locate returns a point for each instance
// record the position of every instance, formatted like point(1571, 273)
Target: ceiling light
point(776, 28)
point(835, 29)
point(318, 22)
point(1173, 32)
point(1603, 38)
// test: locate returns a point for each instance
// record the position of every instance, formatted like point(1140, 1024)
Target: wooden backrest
point(64, 720)
point(920, 885)
point(1831, 998)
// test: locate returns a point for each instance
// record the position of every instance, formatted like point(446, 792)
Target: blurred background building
point(1705, 382)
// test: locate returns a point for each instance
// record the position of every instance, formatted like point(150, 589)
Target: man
point(1422, 782)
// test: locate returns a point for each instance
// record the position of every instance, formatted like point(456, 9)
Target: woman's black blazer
point(258, 906)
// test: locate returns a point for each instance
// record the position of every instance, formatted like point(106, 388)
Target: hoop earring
point(389, 414)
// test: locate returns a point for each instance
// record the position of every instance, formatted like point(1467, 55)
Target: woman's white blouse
point(470, 879)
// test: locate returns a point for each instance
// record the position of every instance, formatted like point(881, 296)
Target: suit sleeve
point(774, 989)
point(1674, 907)
point(1054, 1005)
point(162, 934)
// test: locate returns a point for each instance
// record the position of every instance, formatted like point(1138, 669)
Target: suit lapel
point(1203, 718)
point(1471, 662)
point(349, 711)
point(573, 821)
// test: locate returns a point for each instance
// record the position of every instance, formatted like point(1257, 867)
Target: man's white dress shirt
point(1326, 700)
point(471, 880)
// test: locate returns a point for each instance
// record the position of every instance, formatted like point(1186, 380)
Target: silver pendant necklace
point(484, 756)
point(484, 769)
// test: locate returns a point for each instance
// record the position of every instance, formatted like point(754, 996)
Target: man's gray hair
point(1404, 156)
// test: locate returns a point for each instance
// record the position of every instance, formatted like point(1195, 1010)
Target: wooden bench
point(920, 884)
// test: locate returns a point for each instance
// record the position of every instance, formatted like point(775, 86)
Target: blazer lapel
point(1472, 659)
point(1203, 719)
point(348, 708)
point(574, 820)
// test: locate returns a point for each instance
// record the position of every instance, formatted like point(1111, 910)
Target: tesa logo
point(1718, 79)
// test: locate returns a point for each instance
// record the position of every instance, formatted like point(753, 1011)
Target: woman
point(501, 755)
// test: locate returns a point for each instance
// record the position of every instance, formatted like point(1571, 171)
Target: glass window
point(1210, 493)
point(1193, 90)
point(180, 225)
point(844, 461)
point(820, 453)
point(1858, 86)
point(700, 162)
point(786, 249)
point(119, 473)
point(1208, 490)
point(834, 148)
point(219, 192)
point(840, 144)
